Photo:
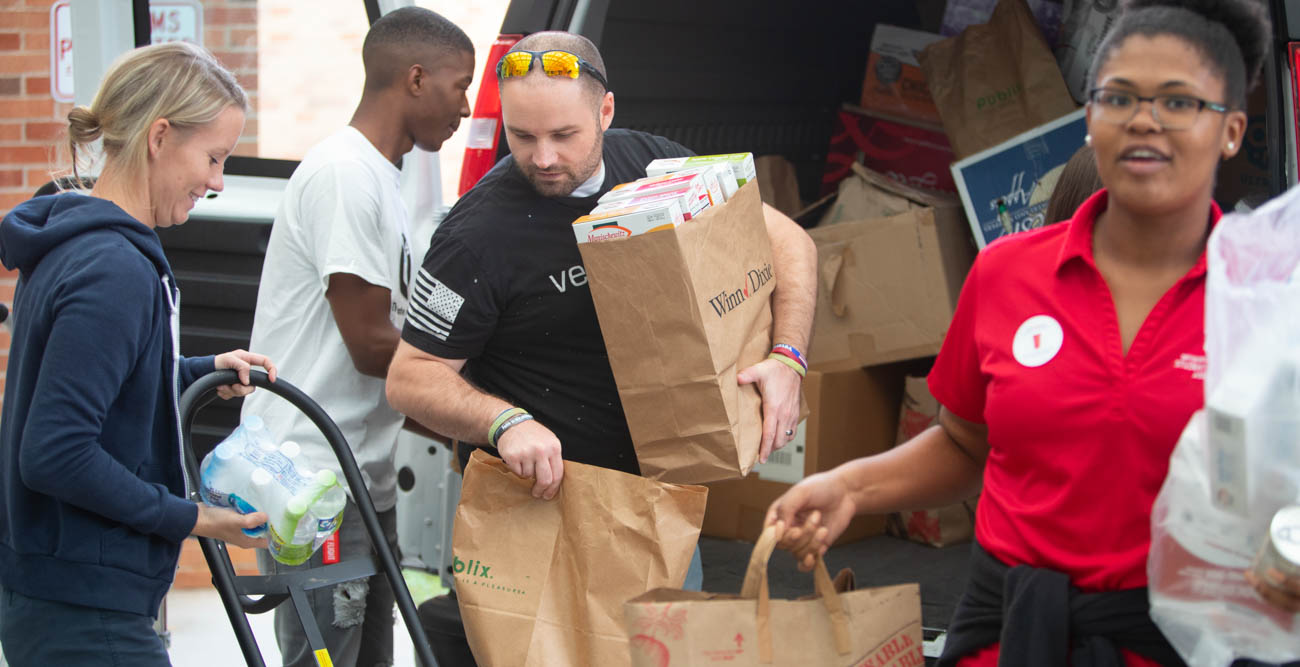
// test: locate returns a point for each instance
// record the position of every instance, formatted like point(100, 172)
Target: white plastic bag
point(1237, 461)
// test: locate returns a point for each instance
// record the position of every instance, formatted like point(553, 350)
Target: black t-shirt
point(503, 286)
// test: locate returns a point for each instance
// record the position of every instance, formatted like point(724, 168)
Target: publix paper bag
point(995, 80)
point(543, 582)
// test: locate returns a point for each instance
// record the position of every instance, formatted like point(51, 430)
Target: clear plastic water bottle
point(328, 513)
point(308, 519)
point(226, 476)
point(248, 472)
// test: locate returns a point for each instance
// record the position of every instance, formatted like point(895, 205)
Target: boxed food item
point(719, 178)
point(852, 413)
point(628, 221)
point(894, 83)
point(703, 189)
point(692, 205)
point(658, 183)
point(725, 175)
point(742, 165)
point(715, 175)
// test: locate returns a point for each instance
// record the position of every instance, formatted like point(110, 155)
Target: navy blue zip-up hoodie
point(93, 489)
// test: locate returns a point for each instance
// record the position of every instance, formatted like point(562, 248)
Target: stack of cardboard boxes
point(891, 268)
point(912, 187)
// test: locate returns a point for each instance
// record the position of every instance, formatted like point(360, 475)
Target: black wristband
point(507, 425)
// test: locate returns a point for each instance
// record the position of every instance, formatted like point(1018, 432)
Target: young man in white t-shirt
point(333, 297)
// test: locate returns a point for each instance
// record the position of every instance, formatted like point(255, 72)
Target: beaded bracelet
point(794, 365)
point(495, 430)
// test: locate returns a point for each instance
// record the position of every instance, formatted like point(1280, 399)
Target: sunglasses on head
point(554, 63)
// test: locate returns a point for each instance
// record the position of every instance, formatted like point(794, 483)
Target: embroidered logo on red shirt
point(1192, 363)
point(1037, 341)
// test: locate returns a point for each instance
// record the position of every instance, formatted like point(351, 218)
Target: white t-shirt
point(342, 212)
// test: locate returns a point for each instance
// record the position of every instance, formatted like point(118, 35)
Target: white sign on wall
point(170, 21)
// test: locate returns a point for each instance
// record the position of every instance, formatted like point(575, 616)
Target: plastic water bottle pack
point(249, 472)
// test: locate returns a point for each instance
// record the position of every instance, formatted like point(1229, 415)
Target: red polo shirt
point(1080, 434)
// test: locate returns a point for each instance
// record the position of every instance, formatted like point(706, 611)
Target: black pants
point(440, 618)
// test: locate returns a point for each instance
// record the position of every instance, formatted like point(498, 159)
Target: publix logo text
point(481, 575)
point(475, 568)
point(754, 279)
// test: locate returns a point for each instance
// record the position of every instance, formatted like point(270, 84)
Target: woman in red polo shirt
point(1073, 362)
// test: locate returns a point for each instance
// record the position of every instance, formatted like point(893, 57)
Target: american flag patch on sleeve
point(434, 306)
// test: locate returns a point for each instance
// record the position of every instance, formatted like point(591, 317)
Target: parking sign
point(169, 21)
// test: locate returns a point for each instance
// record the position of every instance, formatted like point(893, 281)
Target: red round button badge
point(1037, 341)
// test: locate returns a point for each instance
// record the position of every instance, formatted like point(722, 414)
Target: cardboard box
point(910, 154)
point(1005, 189)
point(858, 198)
point(940, 526)
point(853, 413)
point(894, 83)
point(889, 285)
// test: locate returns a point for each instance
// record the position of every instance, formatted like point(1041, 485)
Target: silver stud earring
point(1087, 139)
point(1232, 146)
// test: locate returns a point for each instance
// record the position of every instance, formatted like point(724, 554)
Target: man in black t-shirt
point(501, 337)
point(502, 295)
point(501, 324)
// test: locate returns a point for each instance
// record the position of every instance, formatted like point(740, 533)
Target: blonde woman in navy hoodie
point(92, 492)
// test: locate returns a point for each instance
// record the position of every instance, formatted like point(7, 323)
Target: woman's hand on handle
point(811, 516)
point(242, 362)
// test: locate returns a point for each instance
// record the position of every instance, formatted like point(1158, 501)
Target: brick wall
point(33, 126)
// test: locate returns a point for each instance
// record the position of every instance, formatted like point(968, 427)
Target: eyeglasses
point(554, 63)
point(1172, 112)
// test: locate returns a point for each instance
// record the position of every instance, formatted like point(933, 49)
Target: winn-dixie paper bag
point(837, 627)
point(682, 311)
point(995, 80)
point(543, 582)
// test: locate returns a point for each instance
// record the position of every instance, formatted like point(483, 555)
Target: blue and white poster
point(1005, 188)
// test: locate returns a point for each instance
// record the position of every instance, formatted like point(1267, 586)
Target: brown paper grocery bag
point(995, 80)
point(838, 626)
point(542, 582)
point(682, 312)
